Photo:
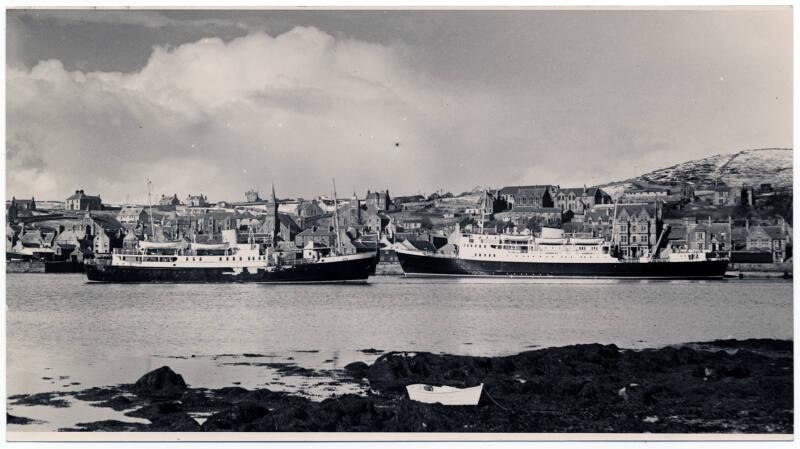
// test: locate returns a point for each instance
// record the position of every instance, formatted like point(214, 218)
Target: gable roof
point(773, 232)
point(532, 210)
point(287, 221)
point(79, 195)
point(107, 222)
point(514, 190)
point(131, 210)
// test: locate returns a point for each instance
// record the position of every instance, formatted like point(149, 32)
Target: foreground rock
point(160, 383)
point(724, 386)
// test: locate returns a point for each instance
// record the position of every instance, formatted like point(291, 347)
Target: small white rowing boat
point(444, 395)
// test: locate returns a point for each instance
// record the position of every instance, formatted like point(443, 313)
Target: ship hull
point(423, 265)
point(355, 270)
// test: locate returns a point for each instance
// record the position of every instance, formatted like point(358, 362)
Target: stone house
point(107, 233)
point(528, 216)
point(378, 200)
point(579, 199)
point(251, 196)
point(169, 200)
point(772, 239)
point(375, 221)
point(197, 200)
point(81, 201)
point(20, 208)
point(647, 195)
point(133, 216)
point(321, 236)
point(726, 196)
point(534, 196)
point(308, 209)
point(707, 236)
point(285, 229)
point(597, 221)
point(638, 226)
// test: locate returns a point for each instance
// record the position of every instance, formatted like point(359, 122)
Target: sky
point(222, 101)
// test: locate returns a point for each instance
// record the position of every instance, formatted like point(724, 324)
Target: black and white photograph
point(399, 223)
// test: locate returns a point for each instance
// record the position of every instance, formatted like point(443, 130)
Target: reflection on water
point(102, 334)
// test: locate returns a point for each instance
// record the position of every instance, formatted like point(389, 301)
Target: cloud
point(298, 109)
point(577, 99)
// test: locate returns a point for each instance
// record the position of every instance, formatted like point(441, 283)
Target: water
point(62, 328)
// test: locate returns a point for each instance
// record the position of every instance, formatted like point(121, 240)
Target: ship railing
point(186, 252)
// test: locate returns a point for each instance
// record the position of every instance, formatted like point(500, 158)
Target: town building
point(197, 200)
point(579, 199)
point(251, 196)
point(107, 233)
point(81, 201)
point(637, 228)
point(534, 196)
point(647, 195)
point(707, 236)
point(531, 217)
point(597, 221)
point(378, 200)
point(321, 236)
point(725, 195)
point(375, 221)
point(350, 213)
point(132, 216)
point(308, 209)
point(281, 225)
point(20, 208)
point(770, 239)
point(169, 200)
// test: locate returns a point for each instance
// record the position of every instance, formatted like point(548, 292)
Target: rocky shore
point(728, 386)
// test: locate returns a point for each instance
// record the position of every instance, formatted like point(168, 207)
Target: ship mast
point(614, 225)
point(336, 220)
point(150, 204)
point(275, 224)
point(483, 209)
point(658, 243)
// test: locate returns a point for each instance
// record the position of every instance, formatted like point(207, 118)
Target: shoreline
point(721, 386)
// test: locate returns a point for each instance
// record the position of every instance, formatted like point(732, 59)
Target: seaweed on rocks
point(50, 399)
point(19, 420)
point(580, 388)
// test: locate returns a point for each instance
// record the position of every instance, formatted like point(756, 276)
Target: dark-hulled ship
point(179, 262)
point(553, 255)
point(231, 261)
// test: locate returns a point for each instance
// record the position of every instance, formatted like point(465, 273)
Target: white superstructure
point(552, 246)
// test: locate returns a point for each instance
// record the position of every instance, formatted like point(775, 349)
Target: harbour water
point(64, 334)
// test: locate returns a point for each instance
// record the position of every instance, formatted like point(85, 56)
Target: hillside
point(753, 167)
